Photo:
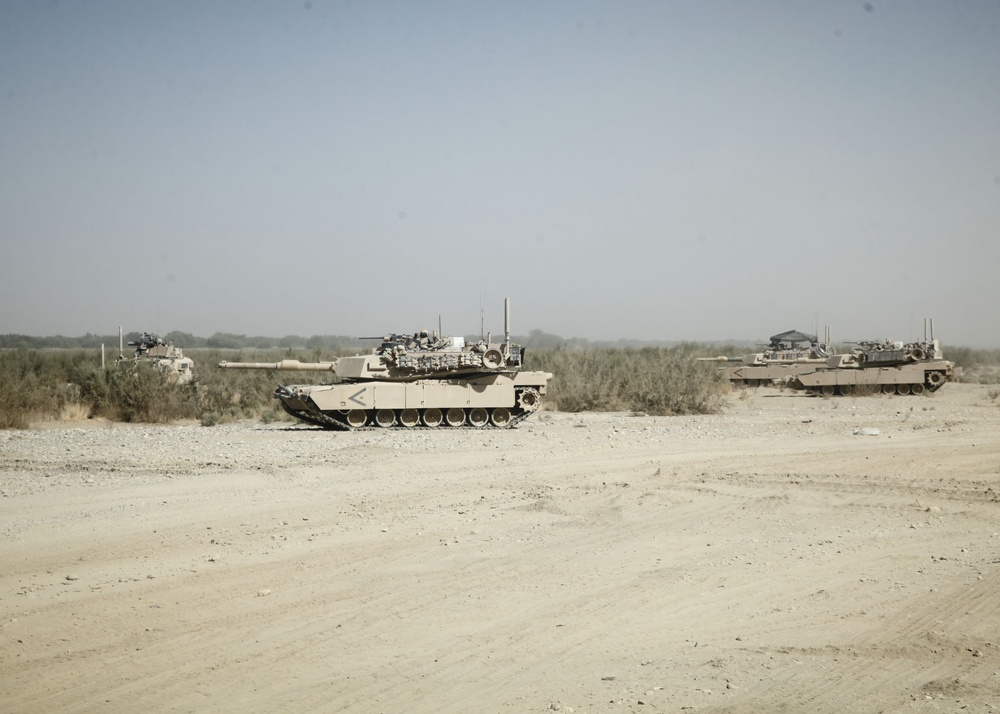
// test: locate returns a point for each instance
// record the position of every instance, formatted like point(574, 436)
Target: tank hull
point(764, 374)
point(912, 378)
point(496, 399)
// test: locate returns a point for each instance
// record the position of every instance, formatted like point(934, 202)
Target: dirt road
point(792, 554)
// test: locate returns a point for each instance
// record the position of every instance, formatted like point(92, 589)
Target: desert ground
point(790, 554)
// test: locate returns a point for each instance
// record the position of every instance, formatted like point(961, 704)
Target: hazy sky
point(622, 169)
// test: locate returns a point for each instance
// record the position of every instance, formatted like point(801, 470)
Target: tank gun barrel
point(285, 365)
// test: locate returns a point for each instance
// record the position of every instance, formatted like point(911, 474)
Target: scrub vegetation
point(50, 385)
point(650, 380)
point(978, 366)
point(39, 385)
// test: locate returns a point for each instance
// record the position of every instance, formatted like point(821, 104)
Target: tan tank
point(789, 354)
point(163, 355)
point(887, 367)
point(420, 380)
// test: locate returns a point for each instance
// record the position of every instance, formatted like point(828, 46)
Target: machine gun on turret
point(163, 355)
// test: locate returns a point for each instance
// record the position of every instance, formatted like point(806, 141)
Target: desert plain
point(789, 554)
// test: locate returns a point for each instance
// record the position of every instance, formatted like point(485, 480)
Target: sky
point(627, 169)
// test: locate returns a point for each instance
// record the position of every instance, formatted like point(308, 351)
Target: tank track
point(909, 389)
point(337, 421)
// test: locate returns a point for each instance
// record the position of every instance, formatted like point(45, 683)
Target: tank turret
point(786, 355)
point(422, 379)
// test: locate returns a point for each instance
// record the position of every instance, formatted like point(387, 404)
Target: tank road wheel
point(478, 417)
point(917, 389)
point(888, 389)
point(357, 418)
point(845, 390)
point(492, 359)
point(500, 416)
point(827, 390)
point(903, 389)
point(385, 418)
point(917, 354)
point(935, 379)
point(455, 416)
point(529, 399)
point(409, 417)
point(432, 418)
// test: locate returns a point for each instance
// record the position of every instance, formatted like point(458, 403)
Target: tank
point(418, 380)
point(162, 355)
point(787, 355)
point(882, 367)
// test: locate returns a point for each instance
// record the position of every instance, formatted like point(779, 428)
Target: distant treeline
point(536, 339)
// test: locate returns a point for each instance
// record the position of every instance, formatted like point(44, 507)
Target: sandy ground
point(767, 559)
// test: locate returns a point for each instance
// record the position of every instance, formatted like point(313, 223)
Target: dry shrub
point(136, 392)
point(74, 411)
point(27, 390)
point(227, 395)
point(46, 385)
point(70, 384)
point(72, 407)
point(979, 366)
point(651, 380)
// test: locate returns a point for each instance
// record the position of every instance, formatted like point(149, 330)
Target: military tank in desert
point(151, 349)
point(418, 380)
point(882, 366)
point(788, 354)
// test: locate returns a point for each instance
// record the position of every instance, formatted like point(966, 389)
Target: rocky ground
point(793, 553)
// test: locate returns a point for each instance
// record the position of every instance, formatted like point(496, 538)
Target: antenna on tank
point(482, 316)
point(506, 322)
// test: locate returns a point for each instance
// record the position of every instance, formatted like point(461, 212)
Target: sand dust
point(794, 554)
